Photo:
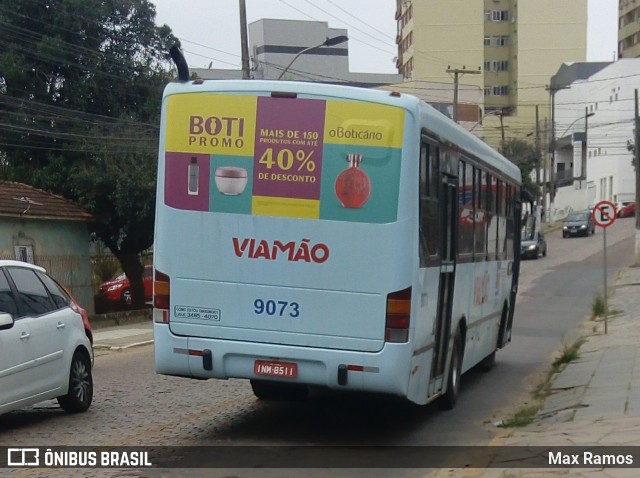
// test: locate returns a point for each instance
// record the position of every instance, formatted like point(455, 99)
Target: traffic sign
point(604, 213)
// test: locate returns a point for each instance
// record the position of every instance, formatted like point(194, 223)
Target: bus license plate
point(275, 369)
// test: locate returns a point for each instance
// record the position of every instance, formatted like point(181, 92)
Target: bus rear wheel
point(450, 397)
point(266, 390)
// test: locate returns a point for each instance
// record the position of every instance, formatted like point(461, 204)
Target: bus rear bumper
point(203, 358)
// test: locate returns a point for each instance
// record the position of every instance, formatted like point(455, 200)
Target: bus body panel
point(267, 260)
point(315, 366)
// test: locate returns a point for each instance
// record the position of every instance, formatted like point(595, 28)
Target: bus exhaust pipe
point(181, 63)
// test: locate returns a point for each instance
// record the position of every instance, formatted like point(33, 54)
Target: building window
point(502, 90)
point(501, 65)
point(501, 40)
point(24, 253)
point(487, 41)
point(500, 15)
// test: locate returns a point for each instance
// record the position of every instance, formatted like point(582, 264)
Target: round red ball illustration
point(353, 186)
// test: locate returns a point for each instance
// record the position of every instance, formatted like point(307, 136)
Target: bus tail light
point(161, 291)
point(398, 316)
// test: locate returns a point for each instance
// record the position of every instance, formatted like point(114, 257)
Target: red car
point(118, 290)
point(627, 209)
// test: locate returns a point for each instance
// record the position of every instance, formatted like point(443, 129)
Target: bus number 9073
point(280, 308)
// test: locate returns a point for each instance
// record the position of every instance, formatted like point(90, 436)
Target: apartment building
point(508, 48)
point(628, 28)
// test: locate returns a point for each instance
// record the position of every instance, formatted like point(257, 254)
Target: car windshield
point(577, 217)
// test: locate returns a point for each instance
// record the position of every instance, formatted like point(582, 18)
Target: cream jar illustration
point(353, 186)
point(231, 180)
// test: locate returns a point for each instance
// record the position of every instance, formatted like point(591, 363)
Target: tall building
point(628, 28)
point(294, 50)
point(516, 45)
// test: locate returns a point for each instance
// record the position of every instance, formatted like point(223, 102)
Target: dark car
point(578, 224)
point(533, 245)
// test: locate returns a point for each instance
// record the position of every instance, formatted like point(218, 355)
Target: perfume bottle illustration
point(193, 175)
point(353, 186)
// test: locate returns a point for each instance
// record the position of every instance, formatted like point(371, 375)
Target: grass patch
point(522, 418)
point(597, 308)
point(569, 354)
point(527, 415)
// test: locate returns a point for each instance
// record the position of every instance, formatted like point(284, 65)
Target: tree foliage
point(80, 90)
point(523, 155)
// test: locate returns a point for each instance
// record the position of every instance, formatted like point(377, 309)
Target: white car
point(45, 346)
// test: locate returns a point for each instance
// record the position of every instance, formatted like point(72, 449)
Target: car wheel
point(126, 298)
point(544, 253)
point(450, 397)
point(80, 394)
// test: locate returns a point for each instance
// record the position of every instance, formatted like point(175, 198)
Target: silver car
point(45, 349)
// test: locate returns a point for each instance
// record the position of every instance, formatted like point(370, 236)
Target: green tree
point(80, 91)
point(523, 155)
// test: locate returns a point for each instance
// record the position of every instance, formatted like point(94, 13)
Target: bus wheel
point(266, 390)
point(448, 400)
point(487, 363)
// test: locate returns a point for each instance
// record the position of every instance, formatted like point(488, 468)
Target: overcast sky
point(209, 30)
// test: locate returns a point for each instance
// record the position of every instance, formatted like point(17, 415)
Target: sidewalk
point(123, 336)
point(594, 400)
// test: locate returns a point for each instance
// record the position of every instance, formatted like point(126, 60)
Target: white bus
point(314, 235)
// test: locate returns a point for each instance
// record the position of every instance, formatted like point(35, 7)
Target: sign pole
point(606, 307)
point(604, 214)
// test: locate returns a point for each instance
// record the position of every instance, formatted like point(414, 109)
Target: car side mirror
point(6, 320)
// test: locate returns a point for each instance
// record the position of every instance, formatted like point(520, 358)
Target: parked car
point(578, 224)
point(626, 209)
point(45, 341)
point(533, 245)
point(117, 289)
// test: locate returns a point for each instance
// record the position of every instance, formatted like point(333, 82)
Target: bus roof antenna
point(181, 63)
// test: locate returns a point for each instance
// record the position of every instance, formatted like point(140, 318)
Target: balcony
point(564, 178)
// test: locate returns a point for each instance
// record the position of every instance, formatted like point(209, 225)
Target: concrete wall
point(61, 247)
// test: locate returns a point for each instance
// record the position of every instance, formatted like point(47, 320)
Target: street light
point(328, 42)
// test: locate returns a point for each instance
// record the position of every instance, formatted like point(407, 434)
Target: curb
point(113, 319)
point(121, 347)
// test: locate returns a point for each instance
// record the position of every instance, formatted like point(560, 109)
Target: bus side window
point(465, 211)
point(480, 220)
point(429, 217)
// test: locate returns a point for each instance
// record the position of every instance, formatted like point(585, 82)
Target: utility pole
point(501, 115)
point(545, 177)
point(537, 148)
point(552, 148)
point(456, 74)
point(636, 164)
point(244, 43)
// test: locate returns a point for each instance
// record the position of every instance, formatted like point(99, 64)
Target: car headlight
point(114, 287)
point(532, 247)
point(565, 227)
point(583, 226)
